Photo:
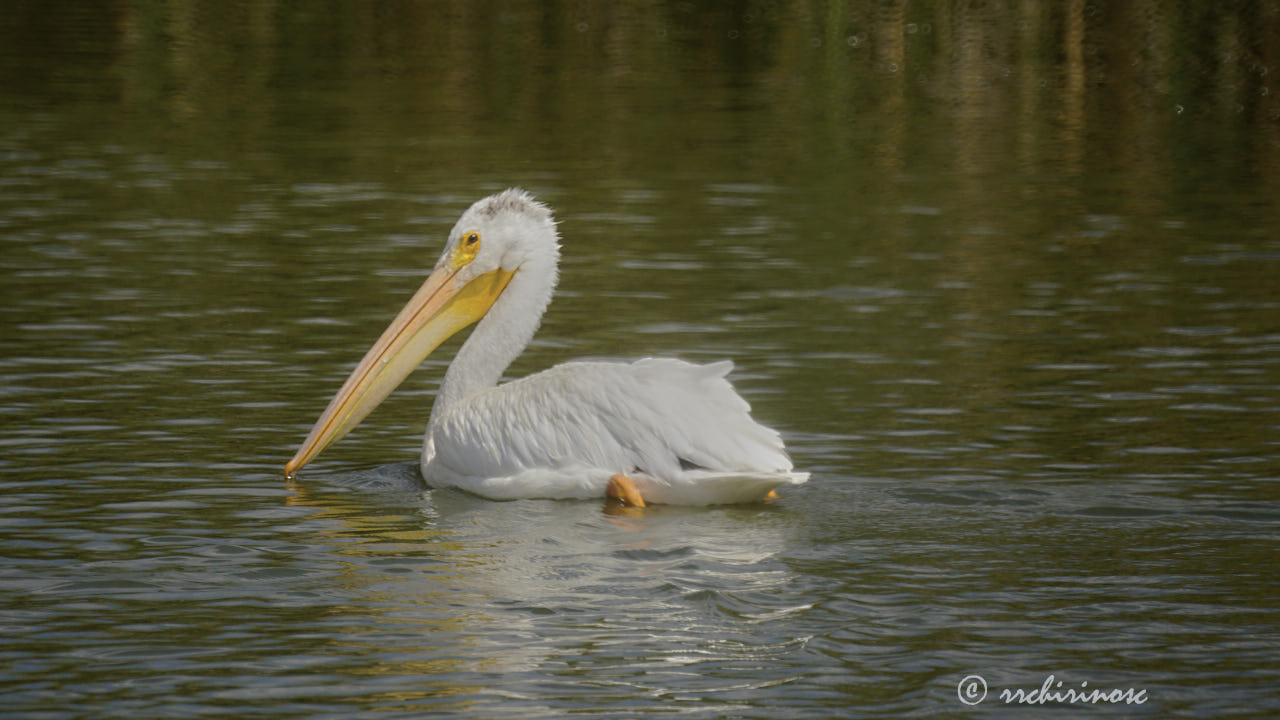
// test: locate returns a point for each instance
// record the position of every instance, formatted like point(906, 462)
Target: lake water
point(1004, 277)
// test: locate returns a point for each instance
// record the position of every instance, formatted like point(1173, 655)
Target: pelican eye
point(467, 249)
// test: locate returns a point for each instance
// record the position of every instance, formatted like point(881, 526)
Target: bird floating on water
point(656, 430)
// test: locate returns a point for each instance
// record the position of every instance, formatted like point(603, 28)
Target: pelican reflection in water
point(656, 430)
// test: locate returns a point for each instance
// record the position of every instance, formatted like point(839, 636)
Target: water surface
point(1005, 279)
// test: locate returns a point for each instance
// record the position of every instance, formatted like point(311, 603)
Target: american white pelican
point(655, 430)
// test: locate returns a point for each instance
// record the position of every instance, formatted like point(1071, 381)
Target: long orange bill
point(440, 308)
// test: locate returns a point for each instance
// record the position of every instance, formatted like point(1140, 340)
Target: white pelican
point(655, 430)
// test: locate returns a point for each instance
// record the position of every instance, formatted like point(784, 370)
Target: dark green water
point(1005, 277)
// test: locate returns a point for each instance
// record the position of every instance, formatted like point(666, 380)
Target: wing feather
point(652, 416)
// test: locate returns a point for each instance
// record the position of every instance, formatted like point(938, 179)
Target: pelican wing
point(679, 429)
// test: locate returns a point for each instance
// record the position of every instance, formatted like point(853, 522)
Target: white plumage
point(679, 431)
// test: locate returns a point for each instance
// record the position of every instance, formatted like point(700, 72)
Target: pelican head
point(498, 239)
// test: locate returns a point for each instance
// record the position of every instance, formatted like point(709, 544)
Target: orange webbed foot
point(623, 490)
